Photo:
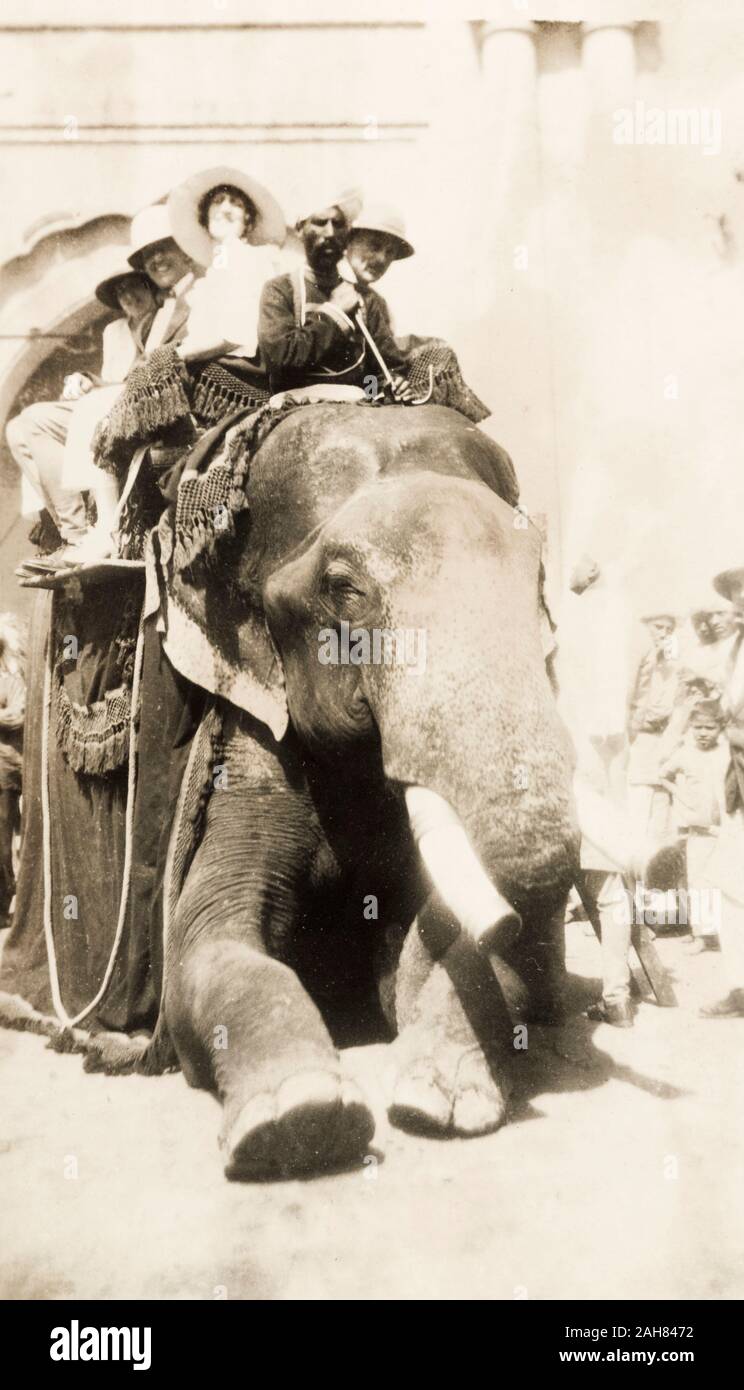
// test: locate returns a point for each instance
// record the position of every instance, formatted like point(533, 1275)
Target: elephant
point(414, 823)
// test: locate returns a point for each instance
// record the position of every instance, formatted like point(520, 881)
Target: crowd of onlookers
point(666, 750)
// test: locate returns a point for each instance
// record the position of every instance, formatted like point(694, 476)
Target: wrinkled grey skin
point(386, 519)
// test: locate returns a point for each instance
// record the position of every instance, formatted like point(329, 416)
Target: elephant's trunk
point(456, 871)
point(482, 733)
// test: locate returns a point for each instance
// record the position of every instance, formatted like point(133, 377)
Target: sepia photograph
point(372, 665)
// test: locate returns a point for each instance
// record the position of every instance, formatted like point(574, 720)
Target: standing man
point(729, 873)
point(652, 701)
point(593, 681)
point(308, 328)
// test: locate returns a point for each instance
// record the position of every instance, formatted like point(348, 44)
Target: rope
point(59, 1007)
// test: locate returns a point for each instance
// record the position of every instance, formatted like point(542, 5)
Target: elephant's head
point(414, 617)
point(383, 593)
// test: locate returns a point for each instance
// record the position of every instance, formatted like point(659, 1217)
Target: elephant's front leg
point(241, 1021)
point(454, 1050)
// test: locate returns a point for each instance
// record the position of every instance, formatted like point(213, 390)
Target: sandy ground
point(619, 1176)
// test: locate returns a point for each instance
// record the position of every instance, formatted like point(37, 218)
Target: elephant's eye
point(339, 587)
point(341, 596)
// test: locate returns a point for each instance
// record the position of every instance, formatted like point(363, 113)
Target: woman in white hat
point(230, 224)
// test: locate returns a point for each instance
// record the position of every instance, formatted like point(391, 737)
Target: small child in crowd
point(695, 774)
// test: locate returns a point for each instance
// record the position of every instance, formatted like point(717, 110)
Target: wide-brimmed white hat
point(379, 219)
point(149, 227)
point(730, 585)
point(349, 201)
point(107, 290)
point(183, 209)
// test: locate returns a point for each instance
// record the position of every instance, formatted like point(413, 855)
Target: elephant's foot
point(447, 1080)
point(450, 1092)
point(314, 1122)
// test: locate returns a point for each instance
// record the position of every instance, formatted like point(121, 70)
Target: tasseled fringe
point(153, 399)
point(22, 1017)
point(116, 1054)
point(450, 390)
point(196, 539)
point(143, 414)
point(449, 387)
point(213, 401)
point(99, 750)
point(68, 1040)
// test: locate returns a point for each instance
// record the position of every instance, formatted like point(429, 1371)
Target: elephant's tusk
point(456, 871)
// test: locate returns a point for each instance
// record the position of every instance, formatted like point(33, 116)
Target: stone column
point(594, 487)
point(507, 137)
point(609, 66)
point(514, 245)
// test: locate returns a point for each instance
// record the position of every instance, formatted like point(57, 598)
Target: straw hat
point(349, 201)
point(107, 290)
point(379, 219)
point(185, 200)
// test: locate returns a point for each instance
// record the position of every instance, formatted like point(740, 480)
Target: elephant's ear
point(216, 636)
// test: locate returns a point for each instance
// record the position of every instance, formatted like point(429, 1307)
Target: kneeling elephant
point(396, 802)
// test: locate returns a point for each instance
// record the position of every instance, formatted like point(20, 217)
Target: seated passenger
point(376, 240)
point(230, 224)
point(38, 437)
point(125, 341)
point(204, 366)
point(309, 330)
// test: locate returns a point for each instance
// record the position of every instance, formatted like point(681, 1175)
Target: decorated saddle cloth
point(93, 636)
point(434, 374)
point(210, 637)
point(162, 393)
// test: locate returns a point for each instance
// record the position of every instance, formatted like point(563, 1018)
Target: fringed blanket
point(433, 371)
point(210, 638)
point(94, 636)
point(154, 398)
point(86, 821)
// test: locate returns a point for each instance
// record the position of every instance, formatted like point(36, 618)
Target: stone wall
point(590, 287)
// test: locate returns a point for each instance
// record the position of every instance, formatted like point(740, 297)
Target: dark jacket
point(297, 353)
